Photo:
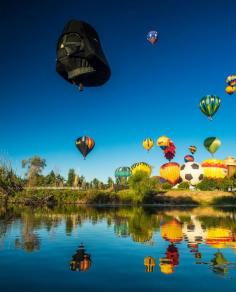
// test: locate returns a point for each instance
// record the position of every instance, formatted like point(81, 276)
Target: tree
point(71, 177)
point(95, 183)
point(110, 182)
point(35, 166)
point(81, 181)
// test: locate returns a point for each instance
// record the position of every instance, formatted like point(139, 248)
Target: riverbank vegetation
point(52, 188)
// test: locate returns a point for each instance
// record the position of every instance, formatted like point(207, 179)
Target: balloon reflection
point(215, 230)
point(171, 260)
point(149, 263)
point(81, 261)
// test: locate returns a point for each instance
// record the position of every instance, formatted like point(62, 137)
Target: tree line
point(11, 183)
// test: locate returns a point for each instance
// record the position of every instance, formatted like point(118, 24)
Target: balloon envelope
point(85, 145)
point(141, 166)
point(152, 36)
point(123, 171)
point(212, 144)
point(192, 149)
point(163, 142)
point(171, 172)
point(148, 143)
point(188, 158)
point(214, 168)
point(209, 105)
point(80, 58)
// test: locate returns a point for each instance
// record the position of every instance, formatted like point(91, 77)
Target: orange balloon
point(229, 89)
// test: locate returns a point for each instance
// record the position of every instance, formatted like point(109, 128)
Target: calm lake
point(117, 249)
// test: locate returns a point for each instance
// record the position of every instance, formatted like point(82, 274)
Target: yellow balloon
point(214, 168)
point(171, 172)
point(229, 89)
point(148, 143)
point(141, 166)
point(163, 142)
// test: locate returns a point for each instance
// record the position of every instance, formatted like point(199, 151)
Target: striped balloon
point(148, 143)
point(85, 144)
point(209, 105)
point(171, 172)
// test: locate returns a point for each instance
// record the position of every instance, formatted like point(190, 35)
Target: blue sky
point(153, 90)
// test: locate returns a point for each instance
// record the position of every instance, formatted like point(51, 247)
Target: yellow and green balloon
point(212, 144)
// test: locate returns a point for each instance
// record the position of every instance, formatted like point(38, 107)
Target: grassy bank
point(171, 197)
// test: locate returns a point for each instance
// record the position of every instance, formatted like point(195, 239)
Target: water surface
point(117, 249)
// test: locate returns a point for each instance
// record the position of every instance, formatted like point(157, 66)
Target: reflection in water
point(81, 261)
point(149, 263)
point(172, 231)
point(28, 241)
point(215, 230)
point(171, 260)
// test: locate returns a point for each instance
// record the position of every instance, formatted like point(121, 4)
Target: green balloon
point(212, 144)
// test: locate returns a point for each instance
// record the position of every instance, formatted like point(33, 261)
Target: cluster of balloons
point(210, 104)
point(188, 157)
point(231, 84)
point(125, 171)
point(167, 146)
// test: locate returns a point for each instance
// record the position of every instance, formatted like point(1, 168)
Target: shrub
point(207, 185)
point(9, 181)
point(183, 185)
point(166, 186)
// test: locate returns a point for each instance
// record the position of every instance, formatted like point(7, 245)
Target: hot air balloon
point(192, 173)
point(209, 105)
point(123, 171)
point(214, 168)
point(148, 143)
point(212, 144)
point(152, 37)
point(192, 149)
point(85, 144)
point(163, 142)
point(169, 151)
point(141, 166)
point(231, 81)
point(188, 158)
point(80, 59)
point(171, 172)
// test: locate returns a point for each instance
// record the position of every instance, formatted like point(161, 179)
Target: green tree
point(35, 166)
point(183, 185)
point(71, 177)
point(9, 181)
point(95, 183)
point(110, 182)
point(142, 184)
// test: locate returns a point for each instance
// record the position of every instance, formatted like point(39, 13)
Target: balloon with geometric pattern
point(209, 105)
point(148, 143)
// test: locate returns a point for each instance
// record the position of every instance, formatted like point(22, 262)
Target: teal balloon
point(209, 105)
point(123, 172)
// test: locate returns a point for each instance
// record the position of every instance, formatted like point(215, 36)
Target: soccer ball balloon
point(191, 172)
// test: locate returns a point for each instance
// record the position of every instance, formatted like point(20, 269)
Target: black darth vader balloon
point(80, 58)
